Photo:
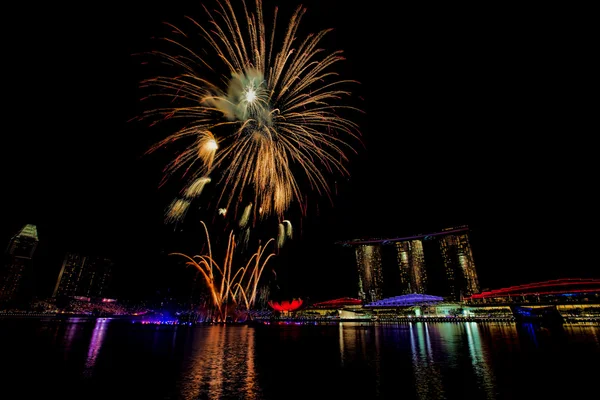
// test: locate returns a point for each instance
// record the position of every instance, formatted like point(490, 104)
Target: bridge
point(559, 300)
point(546, 292)
point(555, 301)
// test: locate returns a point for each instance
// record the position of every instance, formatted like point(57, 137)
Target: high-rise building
point(438, 263)
point(84, 276)
point(459, 265)
point(370, 276)
point(16, 277)
point(411, 263)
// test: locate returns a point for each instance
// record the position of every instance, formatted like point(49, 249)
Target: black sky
point(473, 117)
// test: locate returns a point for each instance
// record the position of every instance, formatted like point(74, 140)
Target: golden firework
point(268, 126)
point(230, 286)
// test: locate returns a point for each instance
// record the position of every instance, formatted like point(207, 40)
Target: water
point(104, 359)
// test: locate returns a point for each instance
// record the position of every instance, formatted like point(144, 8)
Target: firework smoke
point(267, 127)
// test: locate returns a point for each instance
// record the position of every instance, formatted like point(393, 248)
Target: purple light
point(406, 300)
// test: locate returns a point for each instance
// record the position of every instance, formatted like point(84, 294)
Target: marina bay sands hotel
point(439, 263)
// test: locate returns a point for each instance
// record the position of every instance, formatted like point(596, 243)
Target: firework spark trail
point(284, 232)
point(267, 123)
point(245, 216)
point(226, 286)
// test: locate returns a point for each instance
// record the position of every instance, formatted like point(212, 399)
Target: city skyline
point(439, 263)
point(456, 133)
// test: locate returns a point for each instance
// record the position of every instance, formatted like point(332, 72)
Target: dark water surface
point(104, 359)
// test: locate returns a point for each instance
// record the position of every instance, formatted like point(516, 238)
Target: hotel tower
point(16, 276)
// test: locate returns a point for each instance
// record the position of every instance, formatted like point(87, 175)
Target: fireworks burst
point(284, 233)
point(228, 285)
point(267, 123)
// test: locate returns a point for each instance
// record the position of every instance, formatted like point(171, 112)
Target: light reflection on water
point(480, 361)
point(95, 344)
point(588, 332)
point(103, 359)
point(70, 335)
point(221, 364)
point(425, 366)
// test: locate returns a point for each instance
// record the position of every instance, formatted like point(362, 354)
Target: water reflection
point(529, 334)
point(221, 364)
point(377, 362)
point(590, 332)
point(95, 344)
point(479, 359)
point(501, 338)
point(406, 361)
point(352, 342)
point(443, 359)
point(360, 349)
point(341, 343)
point(428, 383)
point(70, 334)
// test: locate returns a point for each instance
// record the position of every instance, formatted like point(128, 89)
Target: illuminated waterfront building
point(411, 263)
point(370, 276)
point(459, 266)
point(16, 278)
point(438, 263)
point(84, 276)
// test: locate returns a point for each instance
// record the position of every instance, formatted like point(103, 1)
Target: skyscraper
point(370, 276)
point(411, 263)
point(16, 277)
point(438, 263)
point(459, 265)
point(84, 276)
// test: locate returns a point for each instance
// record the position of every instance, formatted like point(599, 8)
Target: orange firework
point(230, 286)
point(267, 124)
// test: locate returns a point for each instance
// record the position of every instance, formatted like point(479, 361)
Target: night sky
point(473, 116)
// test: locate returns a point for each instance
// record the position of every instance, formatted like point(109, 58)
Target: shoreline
point(61, 317)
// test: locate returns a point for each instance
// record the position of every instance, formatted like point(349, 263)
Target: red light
point(286, 305)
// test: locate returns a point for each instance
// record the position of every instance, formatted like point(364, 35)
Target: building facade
point(411, 264)
point(459, 266)
point(84, 276)
point(456, 277)
point(370, 274)
point(16, 277)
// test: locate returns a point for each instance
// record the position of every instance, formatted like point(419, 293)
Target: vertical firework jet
point(230, 286)
point(260, 111)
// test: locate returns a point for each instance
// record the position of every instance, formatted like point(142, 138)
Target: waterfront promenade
point(279, 320)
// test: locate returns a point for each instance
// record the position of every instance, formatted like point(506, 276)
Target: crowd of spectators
point(77, 306)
